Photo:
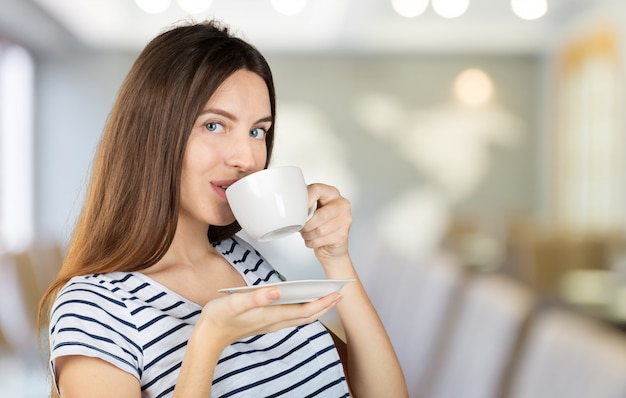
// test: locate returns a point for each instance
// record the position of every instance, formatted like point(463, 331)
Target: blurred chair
point(484, 339)
point(17, 307)
point(45, 259)
point(28, 285)
point(568, 355)
point(415, 300)
point(5, 349)
point(24, 277)
point(421, 318)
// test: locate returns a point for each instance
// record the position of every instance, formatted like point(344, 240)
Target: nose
point(242, 154)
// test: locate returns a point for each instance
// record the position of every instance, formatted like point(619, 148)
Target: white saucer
point(293, 292)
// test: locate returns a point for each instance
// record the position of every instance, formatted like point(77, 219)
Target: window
point(16, 148)
point(590, 185)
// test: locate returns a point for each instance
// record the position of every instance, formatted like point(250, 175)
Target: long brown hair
point(131, 208)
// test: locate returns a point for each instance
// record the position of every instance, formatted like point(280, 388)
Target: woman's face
point(226, 143)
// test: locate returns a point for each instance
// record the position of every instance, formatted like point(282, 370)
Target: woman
point(135, 310)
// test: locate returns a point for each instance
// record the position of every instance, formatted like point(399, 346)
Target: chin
point(224, 222)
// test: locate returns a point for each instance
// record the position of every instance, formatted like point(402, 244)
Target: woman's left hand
point(327, 231)
point(369, 348)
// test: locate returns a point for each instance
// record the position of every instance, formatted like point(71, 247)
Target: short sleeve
point(88, 319)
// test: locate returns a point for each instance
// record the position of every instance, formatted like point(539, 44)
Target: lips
point(221, 186)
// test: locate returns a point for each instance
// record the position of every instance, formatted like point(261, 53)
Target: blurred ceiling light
point(289, 7)
point(409, 8)
point(153, 6)
point(194, 6)
point(450, 8)
point(473, 87)
point(529, 9)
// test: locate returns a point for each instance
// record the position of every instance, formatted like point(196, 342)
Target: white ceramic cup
point(271, 203)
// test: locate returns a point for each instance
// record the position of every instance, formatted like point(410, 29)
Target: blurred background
point(481, 143)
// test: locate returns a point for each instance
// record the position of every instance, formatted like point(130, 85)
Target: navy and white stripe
point(142, 327)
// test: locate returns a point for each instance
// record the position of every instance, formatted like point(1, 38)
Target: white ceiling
point(324, 25)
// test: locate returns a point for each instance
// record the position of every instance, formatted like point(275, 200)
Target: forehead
point(243, 97)
point(241, 85)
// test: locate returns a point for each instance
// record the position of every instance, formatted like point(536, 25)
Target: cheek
point(199, 155)
point(193, 165)
point(261, 155)
point(262, 160)
point(185, 188)
point(185, 174)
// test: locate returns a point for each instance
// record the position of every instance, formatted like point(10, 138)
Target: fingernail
point(273, 294)
point(337, 298)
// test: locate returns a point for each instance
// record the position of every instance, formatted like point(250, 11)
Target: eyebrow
point(231, 116)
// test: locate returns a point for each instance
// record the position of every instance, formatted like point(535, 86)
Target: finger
point(243, 302)
point(301, 311)
point(329, 243)
point(332, 216)
point(325, 228)
point(291, 315)
point(322, 194)
point(334, 232)
point(266, 296)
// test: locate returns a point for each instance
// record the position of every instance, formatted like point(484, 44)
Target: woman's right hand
point(227, 319)
point(236, 316)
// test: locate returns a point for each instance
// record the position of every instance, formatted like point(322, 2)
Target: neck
point(190, 244)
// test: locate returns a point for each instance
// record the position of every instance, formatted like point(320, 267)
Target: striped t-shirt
point(142, 327)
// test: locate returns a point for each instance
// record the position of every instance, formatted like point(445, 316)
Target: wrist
point(338, 267)
point(201, 356)
point(205, 338)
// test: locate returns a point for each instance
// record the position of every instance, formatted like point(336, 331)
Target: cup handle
point(311, 211)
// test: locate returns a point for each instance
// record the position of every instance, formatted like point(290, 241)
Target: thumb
point(266, 296)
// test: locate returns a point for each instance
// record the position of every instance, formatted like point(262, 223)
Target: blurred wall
point(383, 108)
point(386, 130)
point(74, 95)
point(570, 30)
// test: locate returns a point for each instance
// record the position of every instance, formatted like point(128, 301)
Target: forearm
point(373, 367)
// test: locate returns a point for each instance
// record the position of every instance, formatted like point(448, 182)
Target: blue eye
point(257, 133)
point(214, 127)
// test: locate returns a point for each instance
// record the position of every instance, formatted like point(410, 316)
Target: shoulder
point(237, 251)
point(233, 246)
point(94, 302)
point(90, 317)
point(101, 289)
point(248, 261)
